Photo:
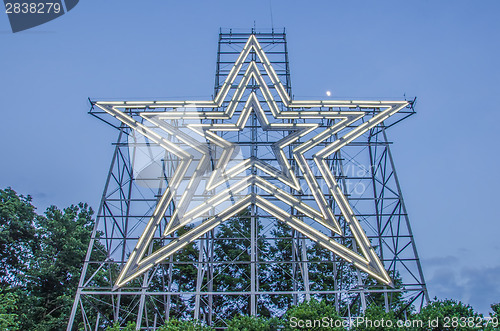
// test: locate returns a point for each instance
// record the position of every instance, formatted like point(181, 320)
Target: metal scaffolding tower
point(273, 229)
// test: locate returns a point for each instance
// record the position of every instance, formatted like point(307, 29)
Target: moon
point(328, 93)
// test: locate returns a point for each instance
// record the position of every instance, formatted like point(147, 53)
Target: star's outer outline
point(369, 262)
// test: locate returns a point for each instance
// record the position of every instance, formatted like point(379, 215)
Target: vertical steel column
point(253, 229)
point(305, 269)
point(407, 220)
point(343, 183)
point(199, 281)
point(77, 302)
point(378, 212)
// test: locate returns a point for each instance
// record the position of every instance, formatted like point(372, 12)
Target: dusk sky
point(446, 53)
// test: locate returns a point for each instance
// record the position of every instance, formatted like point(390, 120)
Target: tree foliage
point(18, 237)
point(63, 239)
point(9, 319)
point(171, 325)
point(253, 323)
point(377, 313)
point(41, 258)
point(184, 325)
point(116, 327)
point(447, 310)
point(494, 322)
point(232, 244)
point(311, 310)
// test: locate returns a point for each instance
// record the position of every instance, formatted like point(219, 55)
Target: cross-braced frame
point(207, 214)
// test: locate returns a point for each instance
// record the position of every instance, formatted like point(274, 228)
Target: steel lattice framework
point(248, 203)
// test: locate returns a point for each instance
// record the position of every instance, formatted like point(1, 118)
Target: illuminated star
point(194, 155)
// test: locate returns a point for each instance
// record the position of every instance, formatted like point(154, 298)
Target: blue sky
point(443, 52)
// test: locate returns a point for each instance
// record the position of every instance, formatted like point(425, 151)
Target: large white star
point(196, 156)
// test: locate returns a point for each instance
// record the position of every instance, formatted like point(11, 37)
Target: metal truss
point(248, 203)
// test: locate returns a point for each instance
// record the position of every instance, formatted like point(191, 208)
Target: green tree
point(183, 265)
point(494, 321)
point(53, 277)
point(253, 323)
point(184, 325)
point(232, 244)
point(184, 276)
point(9, 319)
point(281, 275)
point(496, 310)
point(376, 318)
point(131, 326)
point(313, 315)
point(396, 300)
point(40, 259)
point(446, 313)
point(327, 271)
point(18, 238)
